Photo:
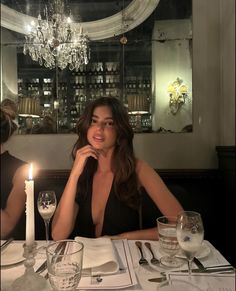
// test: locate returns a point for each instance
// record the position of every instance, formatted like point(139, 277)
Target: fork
point(154, 260)
point(142, 260)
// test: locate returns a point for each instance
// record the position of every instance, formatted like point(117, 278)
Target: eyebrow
point(106, 118)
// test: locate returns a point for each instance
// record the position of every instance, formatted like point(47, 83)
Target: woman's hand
point(81, 157)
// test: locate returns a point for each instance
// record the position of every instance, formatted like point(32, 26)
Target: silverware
point(198, 264)
point(158, 279)
point(215, 269)
point(154, 260)
point(42, 267)
point(143, 262)
point(6, 243)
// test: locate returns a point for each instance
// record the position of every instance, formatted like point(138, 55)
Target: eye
point(93, 121)
point(109, 124)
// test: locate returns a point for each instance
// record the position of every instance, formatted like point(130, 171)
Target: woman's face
point(102, 133)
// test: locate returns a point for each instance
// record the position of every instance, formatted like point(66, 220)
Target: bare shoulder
point(21, 173)
point(142, 167)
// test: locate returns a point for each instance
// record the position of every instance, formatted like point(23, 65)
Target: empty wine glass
point(190, 234)
point(47, 203)
point(166, 226)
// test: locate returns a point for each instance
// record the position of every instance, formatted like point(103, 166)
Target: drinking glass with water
point(166, 226)
point(65, 264)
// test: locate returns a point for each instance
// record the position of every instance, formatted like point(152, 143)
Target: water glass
point(65, 264)
point(166, 226)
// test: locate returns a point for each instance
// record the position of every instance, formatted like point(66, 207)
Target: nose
point(100, 125)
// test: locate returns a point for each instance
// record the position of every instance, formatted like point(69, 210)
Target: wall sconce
point(178, 92)
point(137, 106)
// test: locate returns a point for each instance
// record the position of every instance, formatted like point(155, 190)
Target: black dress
point(9, 166)
point(118, 217)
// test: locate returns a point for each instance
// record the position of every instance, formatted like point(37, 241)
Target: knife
point(210, 270)
point(158, 279)
point(6, 243)
point(198, 264)
point(42, 267)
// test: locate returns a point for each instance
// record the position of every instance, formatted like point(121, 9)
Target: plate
point(178, 285)
point(202, 253)
point(13, 254)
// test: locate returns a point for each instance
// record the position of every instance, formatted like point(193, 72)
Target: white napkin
point(99, 255)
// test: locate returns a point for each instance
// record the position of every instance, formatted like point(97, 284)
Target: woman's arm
point(144, 234)
point(161, 196)
point(67, 209)
point(157, 190)
point(15, 203)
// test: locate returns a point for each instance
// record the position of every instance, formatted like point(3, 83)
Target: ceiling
point(92, 10)
point(139, 38)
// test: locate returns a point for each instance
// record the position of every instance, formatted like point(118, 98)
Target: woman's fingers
point(87, 151)
point(81, 158)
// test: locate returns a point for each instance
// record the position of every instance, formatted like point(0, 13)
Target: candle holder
point(29, 281)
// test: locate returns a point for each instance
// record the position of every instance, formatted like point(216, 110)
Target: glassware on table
point(47, 203)
point(190, 234)
point(166, 226)
point(65, 264)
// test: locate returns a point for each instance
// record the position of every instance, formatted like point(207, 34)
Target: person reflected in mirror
point(13, 174)
point(45, 126)
point(102, 194)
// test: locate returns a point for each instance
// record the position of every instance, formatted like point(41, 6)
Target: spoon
point(154, 260)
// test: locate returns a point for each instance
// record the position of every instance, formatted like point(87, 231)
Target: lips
point(98, 138)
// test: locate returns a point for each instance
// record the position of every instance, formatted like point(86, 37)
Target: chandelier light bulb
point(53, 42)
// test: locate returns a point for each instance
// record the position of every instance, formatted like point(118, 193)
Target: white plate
point(202, 253)
point(13, 254)
point(179, 285)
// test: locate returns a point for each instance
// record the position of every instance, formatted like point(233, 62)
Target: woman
point(13, 175)
point(102, 195)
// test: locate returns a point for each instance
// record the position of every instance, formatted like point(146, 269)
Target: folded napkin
point(99, 255)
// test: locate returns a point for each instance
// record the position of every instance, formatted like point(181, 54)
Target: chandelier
point(53, 42)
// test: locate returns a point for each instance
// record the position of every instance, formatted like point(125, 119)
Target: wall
point(227, 59)
point(212, 83)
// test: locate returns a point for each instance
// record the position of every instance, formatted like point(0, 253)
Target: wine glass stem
point(46, 222)
point(190, 267)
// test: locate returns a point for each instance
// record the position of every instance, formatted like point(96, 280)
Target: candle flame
point(31, 172)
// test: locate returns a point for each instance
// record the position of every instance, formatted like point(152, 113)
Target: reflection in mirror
point(147, 65)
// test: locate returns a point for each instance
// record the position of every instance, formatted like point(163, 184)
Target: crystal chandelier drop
point(53, 42)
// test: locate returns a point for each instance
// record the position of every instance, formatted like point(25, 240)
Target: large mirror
point(137, 51)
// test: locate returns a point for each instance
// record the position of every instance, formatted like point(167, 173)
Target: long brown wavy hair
point(123, 160)
point(8, 113)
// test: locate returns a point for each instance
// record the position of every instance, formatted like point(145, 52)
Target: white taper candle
point(29, 190)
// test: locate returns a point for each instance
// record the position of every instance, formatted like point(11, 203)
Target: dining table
point(216, 275)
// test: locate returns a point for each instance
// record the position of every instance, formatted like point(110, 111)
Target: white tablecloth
point(9, 274)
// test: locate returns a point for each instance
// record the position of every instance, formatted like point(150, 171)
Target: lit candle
point(29, 190)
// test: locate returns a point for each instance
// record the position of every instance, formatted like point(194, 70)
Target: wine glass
point(166, 226)
point(47, 203)
point(190, 234)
